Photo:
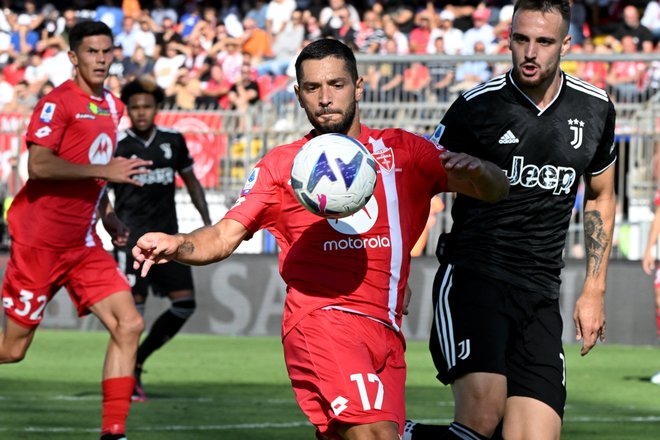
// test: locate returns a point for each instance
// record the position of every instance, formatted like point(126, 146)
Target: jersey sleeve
point(48, 123)
point(184, 160)
point(259, 203)
point(428, 164)
point(454, 132)
point(606, 153)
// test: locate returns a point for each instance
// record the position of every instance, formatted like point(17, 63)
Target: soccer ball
point(333, 175)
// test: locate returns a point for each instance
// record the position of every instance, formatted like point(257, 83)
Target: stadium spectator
point(128, 37)
point(166, 66)
point(333, 17)
point(419, 37)
point(50, 217)
point(593, 72)
point(119, 62)
point(452, 38)
point(631, 26)
point(35, 73)
point(624, 79)
point(229, 58)
point(56, 60)
point(245, 92)
point(441, 72)
point(651, 19)
point(166, 34)
point(278, 15)
point(346, 32)
point(146, 38)
point(139, 65)
point(392, 33)
point(152, 207)
point(371, 34)
point(312, 27)
point(362, 309)
point(189, 19)
point(255, 41)
point(472, 72)
point(497, 332)
point(185, 89)
point(24, 39)
point(480, 31)
point(257, 11)
point(402, 13)
point(23, 100)
point(416, 81)
point(160, 12)
point(109, 13)
point(213, 93)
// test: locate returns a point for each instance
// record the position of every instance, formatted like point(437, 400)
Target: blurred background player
point(151, 207)
point(648, 264)
point(351, 385)
point(70, 138)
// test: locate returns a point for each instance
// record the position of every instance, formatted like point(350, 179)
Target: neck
point(145, 135)
point(92, 89)
point(543, 94)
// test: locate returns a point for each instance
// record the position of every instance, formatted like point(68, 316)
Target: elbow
point(35, 172)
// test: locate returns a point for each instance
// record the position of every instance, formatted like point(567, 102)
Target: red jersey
point(359, 263)
point(81, 129)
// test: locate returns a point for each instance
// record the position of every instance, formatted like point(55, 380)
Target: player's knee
point(183, 308)
point(129, 326)
point(12, 355)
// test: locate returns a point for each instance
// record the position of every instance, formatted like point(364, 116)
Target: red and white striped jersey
point(359, 263)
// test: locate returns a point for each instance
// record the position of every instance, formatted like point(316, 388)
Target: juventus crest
point(577, 127)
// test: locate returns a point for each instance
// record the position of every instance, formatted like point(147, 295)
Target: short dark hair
point(545, 6)
point(144, 84)
point(324, 48)
point(87, 29)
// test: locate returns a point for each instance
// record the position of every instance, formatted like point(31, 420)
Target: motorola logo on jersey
point(101, 151)
point(558, 179)
point(358, 223)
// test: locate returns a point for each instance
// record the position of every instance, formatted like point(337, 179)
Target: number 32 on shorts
point(32, 305)
point(339, 404)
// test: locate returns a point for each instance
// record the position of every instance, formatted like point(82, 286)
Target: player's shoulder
point(583, 90)
point(487, 92)
point(398, 137)
point(169, 134)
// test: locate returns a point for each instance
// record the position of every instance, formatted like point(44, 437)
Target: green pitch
point(209, 387)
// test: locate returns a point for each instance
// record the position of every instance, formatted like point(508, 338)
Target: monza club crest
point(384, 158)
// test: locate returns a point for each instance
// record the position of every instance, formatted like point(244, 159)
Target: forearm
point(56, 168)
point(209, 244)
point(598, 231)
point(198, 199)
point(491, 184)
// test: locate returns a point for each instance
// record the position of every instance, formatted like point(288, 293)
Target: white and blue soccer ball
point(333, 175)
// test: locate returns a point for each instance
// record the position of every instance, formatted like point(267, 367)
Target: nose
point(325, 98)
point(530, 51)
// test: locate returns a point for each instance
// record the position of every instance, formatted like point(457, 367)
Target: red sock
point(116, 403)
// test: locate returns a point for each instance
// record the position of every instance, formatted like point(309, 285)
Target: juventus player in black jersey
point(151, 207)
point(497, 328)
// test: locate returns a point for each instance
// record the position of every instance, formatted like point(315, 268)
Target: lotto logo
point(43, 132)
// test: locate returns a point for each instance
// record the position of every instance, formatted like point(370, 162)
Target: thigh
point(471, 329)
point(536, 365)
point(32, 278)
point(356, 376)
point(95, 276)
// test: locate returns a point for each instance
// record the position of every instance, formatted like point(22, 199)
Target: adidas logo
point(508, 138)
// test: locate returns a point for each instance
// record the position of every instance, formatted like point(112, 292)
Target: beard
point(341, 126)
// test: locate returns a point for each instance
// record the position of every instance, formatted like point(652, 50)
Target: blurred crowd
point(231, 54)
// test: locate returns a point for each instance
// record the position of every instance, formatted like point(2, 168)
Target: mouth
point(529, 69)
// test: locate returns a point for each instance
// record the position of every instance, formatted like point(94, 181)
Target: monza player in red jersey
point(346, 278)
point(71, 140)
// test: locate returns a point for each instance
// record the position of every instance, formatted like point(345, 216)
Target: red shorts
point(34, 275)
point(346, 368)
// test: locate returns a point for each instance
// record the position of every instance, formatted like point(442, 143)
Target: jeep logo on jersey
point(358, 223)
point(322, 168)
point(100, 153)
point(558, 179)
point(577, 127)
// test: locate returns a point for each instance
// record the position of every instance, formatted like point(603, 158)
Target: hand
point(462, 166)
point(121, 170)
point(154, 248)
point(648, 263)
point(589, 319)
point(116, 228)
point(406, 299)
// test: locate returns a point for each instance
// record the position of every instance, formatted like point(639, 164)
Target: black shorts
point(163, 278)
point(482, 324)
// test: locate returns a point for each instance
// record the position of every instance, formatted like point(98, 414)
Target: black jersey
point(544, 153)
point(151, 207)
